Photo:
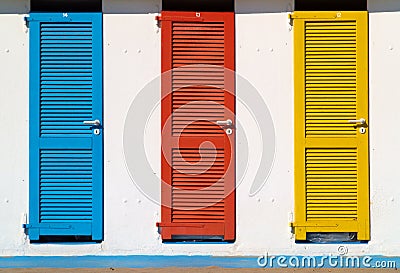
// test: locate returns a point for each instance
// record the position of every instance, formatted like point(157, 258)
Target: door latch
point(96, 123)
point(228, 124)
point(362, 122)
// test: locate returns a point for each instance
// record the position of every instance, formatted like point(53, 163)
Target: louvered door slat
point(74, 192)
point(197, 200)
point(66, 157)
point(322, 105)
point(331, 78)
point(331, 184)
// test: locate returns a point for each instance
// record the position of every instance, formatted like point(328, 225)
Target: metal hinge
point(27, 19)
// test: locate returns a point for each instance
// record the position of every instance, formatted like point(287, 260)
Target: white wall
point(14, 125)
point(384, 132)
point(131, 60)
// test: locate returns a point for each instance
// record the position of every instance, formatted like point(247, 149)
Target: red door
point(198, 118)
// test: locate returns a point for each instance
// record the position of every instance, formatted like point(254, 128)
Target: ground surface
point(195, 270)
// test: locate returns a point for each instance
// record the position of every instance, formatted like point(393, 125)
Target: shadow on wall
point(14, 6)
point(263, 6)
point(131, 6)
point(383, 5)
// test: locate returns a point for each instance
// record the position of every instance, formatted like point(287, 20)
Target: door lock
point(228, 124)
point(95, 123)
point(362, 122)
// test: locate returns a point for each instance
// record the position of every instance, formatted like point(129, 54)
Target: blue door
point(66, 133)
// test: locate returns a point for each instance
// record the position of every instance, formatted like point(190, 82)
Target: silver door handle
point(92, 122)
point(227, 122)
point(361, 121)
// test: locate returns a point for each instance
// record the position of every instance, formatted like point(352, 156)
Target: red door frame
point(167, 227)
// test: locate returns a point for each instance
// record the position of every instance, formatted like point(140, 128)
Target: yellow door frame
point(352, 139)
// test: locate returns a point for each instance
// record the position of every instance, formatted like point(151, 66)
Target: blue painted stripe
point(183, 262)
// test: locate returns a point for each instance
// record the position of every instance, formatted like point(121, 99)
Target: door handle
point(227, 123)
point(362, 121)
point(92, 122)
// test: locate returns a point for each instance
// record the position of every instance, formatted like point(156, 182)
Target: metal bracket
point(294, 225)
point(30, 226)
point(290, 18)
point(27, 20)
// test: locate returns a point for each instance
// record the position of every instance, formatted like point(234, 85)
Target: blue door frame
point(66, 154)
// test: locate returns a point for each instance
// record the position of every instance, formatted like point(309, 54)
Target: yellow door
point(331, 123)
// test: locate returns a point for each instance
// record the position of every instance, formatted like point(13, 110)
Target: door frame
point(35, 229)
point(301, 225)
point(168, 229)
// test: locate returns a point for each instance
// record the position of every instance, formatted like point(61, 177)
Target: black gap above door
point(330, 5)
point(66, 5)
point(197, 5)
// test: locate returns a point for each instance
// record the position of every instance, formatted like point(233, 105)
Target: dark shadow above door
point(330, 5)
point(196, 5)
point(66, 6)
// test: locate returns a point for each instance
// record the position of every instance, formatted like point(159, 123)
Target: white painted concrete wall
point(14, 123)
point(131, 60)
